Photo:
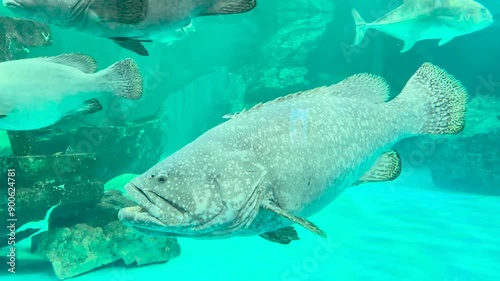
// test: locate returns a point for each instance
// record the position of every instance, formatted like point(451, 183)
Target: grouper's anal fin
point(132, 45)
point(386, 168)
point(270, 206)
point(284, 235)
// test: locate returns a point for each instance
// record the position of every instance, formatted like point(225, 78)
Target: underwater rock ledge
point(99, 239)
point(16, 35)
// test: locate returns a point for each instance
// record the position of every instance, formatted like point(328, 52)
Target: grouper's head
point(198, 192)
point(59, 12)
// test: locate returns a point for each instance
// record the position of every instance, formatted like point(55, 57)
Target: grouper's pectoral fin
point(270, 206)
point(284, 235)
point(120, 11)
point(132, 45)
point(226, 7)
point(386, 168)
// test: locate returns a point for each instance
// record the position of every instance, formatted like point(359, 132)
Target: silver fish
point(285, 160)
point(128, 22)
point(38, 92)
point(417, 20)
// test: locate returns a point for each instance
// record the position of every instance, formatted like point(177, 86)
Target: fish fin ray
point(88, 107)
point(284, 235)
point(386, 168)
point(437, 99)
point(361, 27)
point(133, 45)
point(227, 7)
point(271, 206)
point(120, 11)
point(84, 63)
point(126, 79)
point(367, 86)
point(362, 86)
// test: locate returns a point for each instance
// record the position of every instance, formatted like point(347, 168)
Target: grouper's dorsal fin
point(227, 7)
point(363, 86)
point(120, 11)
point(80, 61)
point(271, 206)
point(386, 168)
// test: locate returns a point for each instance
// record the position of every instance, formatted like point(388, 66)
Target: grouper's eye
point(162, 179)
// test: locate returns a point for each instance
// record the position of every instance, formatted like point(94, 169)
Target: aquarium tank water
point(252, 140)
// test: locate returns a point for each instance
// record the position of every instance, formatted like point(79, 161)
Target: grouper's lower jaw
point(137, 215)
point(141, 221)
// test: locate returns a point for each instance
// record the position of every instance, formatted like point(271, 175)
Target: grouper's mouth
point(152, 211)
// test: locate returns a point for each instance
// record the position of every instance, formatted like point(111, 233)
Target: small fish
point(417, 20)
point(38, 92)
point(280, 162)
point(128, 23)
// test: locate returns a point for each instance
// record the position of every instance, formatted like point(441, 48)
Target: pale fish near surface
point(417, 20)
point(38, 92)
point(128, 23)
point(282, 161)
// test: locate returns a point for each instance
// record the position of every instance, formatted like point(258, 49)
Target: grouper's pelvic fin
point(284, 235)
point(435, 102)
point(227, 7)
point(386, 168)
point(271, 206)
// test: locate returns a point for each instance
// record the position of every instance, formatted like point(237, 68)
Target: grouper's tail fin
point(125, 79)
point(361, 27)
point(436, 101)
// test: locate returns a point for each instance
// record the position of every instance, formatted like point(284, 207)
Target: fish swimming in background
point(417, 20)
point(282, 161)
point(38, 92)
point(128, 23)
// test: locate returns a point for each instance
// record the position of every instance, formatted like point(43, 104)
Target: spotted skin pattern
point(217, 185)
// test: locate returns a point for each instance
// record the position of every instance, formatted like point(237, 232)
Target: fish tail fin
point(435, 101)
point(125, 78)
point(361, 27)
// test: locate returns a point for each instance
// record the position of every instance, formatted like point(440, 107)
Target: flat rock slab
point(82, 248)
point(99, 239)
point(130, 148)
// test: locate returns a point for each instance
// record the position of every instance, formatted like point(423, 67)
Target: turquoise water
point(418, 227)
point(406, 230)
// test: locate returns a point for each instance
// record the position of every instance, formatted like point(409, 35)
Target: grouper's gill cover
point(282, 161)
